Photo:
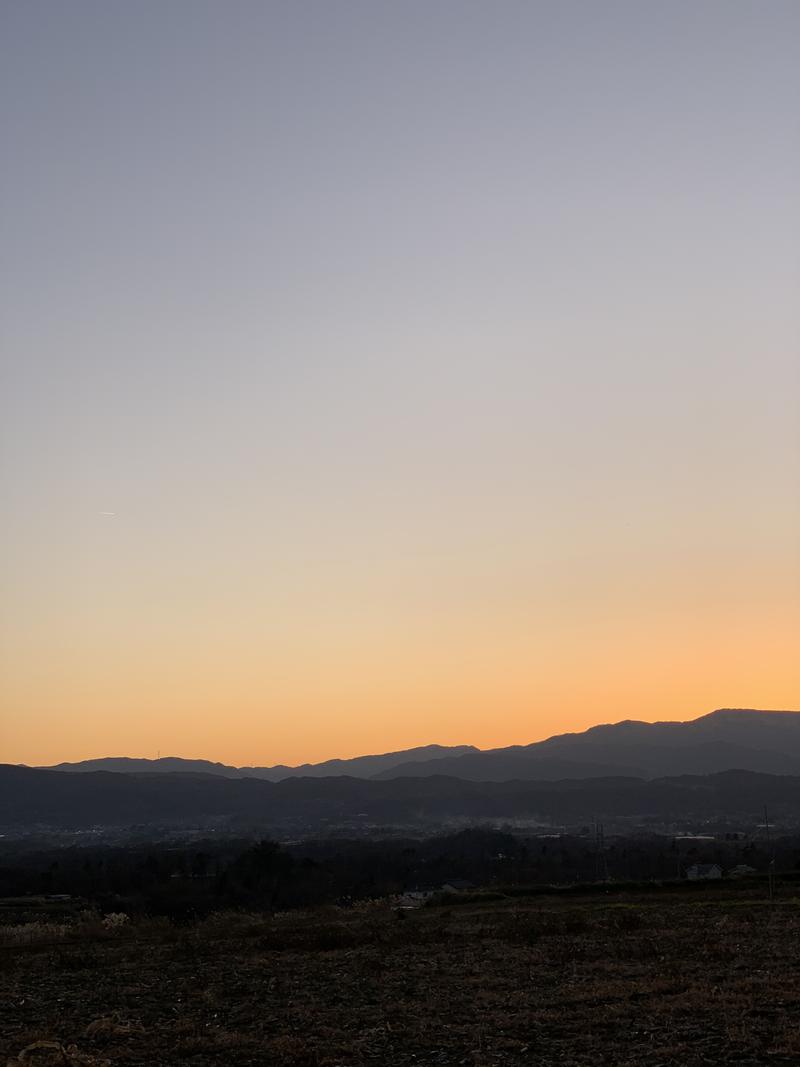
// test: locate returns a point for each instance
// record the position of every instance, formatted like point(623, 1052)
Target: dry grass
point(33, 932)
point(87, 926)
point(54, 1054)
point(619, 983)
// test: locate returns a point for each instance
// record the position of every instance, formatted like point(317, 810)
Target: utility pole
point(771, 866)
point(600, 861)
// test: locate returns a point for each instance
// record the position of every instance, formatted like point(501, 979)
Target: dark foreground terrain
point(711, 976)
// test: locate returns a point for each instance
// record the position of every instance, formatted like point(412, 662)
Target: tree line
point(196, 878)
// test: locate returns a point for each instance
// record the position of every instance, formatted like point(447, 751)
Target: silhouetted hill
point(30, 798)
point(728, 739)
point(358, 767)
point(164, 765)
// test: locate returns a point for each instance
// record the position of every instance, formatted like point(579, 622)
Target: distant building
point(415, 898)
point(704, 872)
point(457, 885)
point(741, 870)
point(419, 895)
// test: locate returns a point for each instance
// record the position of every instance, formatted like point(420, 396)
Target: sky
point(384, 373)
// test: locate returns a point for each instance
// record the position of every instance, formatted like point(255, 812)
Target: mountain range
point(358, 767)
point(730, 738)
point(32, 799)
point(730, 763)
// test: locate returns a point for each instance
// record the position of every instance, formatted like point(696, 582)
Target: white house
point(741, 870)
point(458, 885)
point(704, 872)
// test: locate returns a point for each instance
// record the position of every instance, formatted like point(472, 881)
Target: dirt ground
point(650, 980)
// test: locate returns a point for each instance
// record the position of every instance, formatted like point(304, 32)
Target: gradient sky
point(376, 374)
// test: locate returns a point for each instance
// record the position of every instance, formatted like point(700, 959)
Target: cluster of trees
point(197, 878)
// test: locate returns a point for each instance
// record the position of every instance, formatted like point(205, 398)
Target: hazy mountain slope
point(506, 764)
point(164, 765)
point(365, 766)
point(44, 798)
point(729, 739)
point(764, 741)
point(358, 767)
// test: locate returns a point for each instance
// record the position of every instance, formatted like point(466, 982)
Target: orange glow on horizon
point(489, 693)
point(352, 401)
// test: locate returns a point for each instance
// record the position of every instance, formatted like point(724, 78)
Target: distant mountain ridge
point(358, 767)
point(46, 799)
point(766, 742)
